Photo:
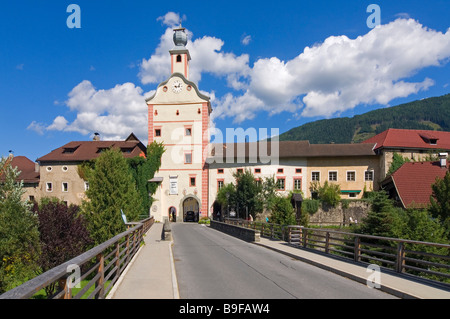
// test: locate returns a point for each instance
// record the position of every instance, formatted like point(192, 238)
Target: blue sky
point(264, 64)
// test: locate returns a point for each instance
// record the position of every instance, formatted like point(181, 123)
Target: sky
point(67, 73)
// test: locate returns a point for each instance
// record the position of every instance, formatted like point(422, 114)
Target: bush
point(310, 206)
point(330, 193)
point(282, 211)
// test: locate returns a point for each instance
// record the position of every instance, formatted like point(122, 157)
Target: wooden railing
point(424, 259)
point(98, 269)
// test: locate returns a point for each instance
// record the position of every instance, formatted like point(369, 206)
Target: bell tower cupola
point(179, 54)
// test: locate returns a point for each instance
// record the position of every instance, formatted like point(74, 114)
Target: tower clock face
point(177, 86)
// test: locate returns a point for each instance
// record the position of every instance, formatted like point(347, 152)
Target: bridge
point(244, 260)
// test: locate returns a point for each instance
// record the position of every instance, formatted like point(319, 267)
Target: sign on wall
point(173, 180)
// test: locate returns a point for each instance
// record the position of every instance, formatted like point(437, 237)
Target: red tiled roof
point(26, 168)
point(87, 150)
point(402, 138)
point(413, 182)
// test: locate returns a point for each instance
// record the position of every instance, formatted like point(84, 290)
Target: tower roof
point(180, 41)
point(179, 37)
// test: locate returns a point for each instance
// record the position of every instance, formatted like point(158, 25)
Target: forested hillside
point(427, 114)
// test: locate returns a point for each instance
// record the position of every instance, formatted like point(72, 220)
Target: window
point(49, 168)
point(332, 176)
point(240, 170)
point(188, 131)
point(220, 171)
point(315, 176)
point(257, 170)
point(86, 186)
point(297, 184)
point(368, 175)
point(281, 183)
point(298, 171)
point(280, 171)
point(219, 184)
point(351, 176)
point(64, 168)
point(158, 132)
point(351, 195)
point(187, 158)
point(49, 187)
point(126, 150)
point(178, 58)
point(191, 181)
point(65, 187)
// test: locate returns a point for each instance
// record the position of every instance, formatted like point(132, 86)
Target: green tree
point(248, 195)
point(330, 193)
point(282, 211)
point(19, 235)
point(248, 198)
point(440, 201)
point(397, 161)
point(112, 190)
point(384, 219)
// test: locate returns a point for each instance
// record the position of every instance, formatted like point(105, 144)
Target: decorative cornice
point(186, 81)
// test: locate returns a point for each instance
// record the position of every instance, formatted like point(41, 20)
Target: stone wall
point(246, 234)
point(342, 215)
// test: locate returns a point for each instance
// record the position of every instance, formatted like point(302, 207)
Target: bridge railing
point(99, 268)
point(424, 259)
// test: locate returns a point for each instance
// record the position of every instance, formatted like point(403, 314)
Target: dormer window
point(429, 139)
point(126, 150)
point(70, 150)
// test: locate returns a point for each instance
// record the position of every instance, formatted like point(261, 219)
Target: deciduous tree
point(19, 235)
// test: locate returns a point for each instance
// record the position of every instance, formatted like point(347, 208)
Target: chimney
point(96, 137)
point(443, 159)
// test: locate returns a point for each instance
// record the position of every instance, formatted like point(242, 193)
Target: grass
point(41, 293)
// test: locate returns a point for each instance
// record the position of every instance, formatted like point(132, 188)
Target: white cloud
point(341, 73)
point(207, 54)
point(59, 124)
point(37, 127)
point(245, 40)
point(171, 19)
point(114, 113)
point(323, 80)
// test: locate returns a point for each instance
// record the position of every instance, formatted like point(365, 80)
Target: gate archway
point(190, 203)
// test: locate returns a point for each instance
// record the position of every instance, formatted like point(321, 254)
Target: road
point(211, 264)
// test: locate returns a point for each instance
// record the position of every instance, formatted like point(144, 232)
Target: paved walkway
point(151, 274)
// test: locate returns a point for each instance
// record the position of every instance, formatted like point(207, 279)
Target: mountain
point(426, 114)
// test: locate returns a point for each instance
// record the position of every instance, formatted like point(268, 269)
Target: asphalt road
point(214, 265)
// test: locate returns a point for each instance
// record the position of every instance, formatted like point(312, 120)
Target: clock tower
point(178, 117)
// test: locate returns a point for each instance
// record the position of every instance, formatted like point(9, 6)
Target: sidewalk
point(151, 273)
point(390, 282)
